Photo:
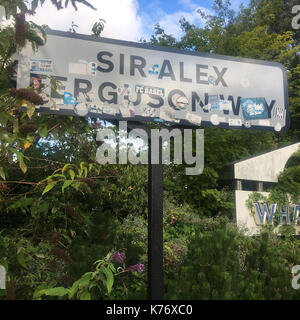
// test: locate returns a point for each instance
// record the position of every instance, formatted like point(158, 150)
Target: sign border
point(182, 122)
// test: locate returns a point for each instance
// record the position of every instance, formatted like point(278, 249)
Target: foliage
point(73, 26)
point(253, 32)
point(289, 178)
point(60, 210)
point(222, 263)
point(98, 283)
point(28, 264)
point(13, 6)
point(286, 192)
point(98, 27)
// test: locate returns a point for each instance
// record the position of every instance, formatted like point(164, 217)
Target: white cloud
point(188, 4)
point(170, 22)
point(122, 21)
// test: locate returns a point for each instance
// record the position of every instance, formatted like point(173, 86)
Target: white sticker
point(166, 114)
point(225, 105)
point(125, 112)
point(92, 68)
point(81, 109)
point(222, 119)
point(194, 118)
point(77, 68)
point(214, 119)
point(277, 126)
point(83, 67)
point(235, 122)
point(279, 112)
point(43, 65)
point(108, 109)
point(149, 112)
point(265, 123)
point(207, 107)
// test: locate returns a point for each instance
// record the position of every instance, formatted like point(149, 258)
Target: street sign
point(120, 80)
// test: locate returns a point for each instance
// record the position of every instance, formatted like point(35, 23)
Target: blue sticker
point(154, 69)
point(254, 108)
point(69, 99)
point(212, 80)
point(214, 103)
point(43, 65)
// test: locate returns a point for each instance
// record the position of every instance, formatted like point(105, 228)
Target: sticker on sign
point(121, 80)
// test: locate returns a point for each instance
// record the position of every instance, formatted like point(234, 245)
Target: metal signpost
point(120, 80)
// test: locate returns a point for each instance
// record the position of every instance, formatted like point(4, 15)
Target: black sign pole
point(155, 218)
point(155, 227)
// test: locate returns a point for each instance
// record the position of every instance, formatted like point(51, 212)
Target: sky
point(127, 19)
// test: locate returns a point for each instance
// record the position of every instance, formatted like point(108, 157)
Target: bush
point(222, 263)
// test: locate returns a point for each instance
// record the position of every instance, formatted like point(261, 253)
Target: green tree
point(61, 211)
point(253, 32)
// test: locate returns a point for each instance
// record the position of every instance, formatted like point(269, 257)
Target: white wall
point(243, 218)
point(265, 167)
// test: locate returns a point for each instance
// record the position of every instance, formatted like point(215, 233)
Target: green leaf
point(85, 295)
point(56, 175)
point(58, 291)
point(37, 292)
point(112, 267)
point(43, 207)
point(84, 280)
point(49, 187)
point(92, 285)
point(30, 109)
point(43, 131)
point(66, 185)
point(34, 4)
point(21, 203)
point(74, 289)
point(2, 173)
point(72, 174)
point(54, 103)
point(22, 165)
point(65, 167)
point(4, 119)
point(109, 279)
point(21, 258)
point(76, 185)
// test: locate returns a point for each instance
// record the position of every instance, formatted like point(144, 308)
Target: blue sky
point(172, 6)
point(128, 19)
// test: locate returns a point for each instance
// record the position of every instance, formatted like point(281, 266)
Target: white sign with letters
point(113, 79)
